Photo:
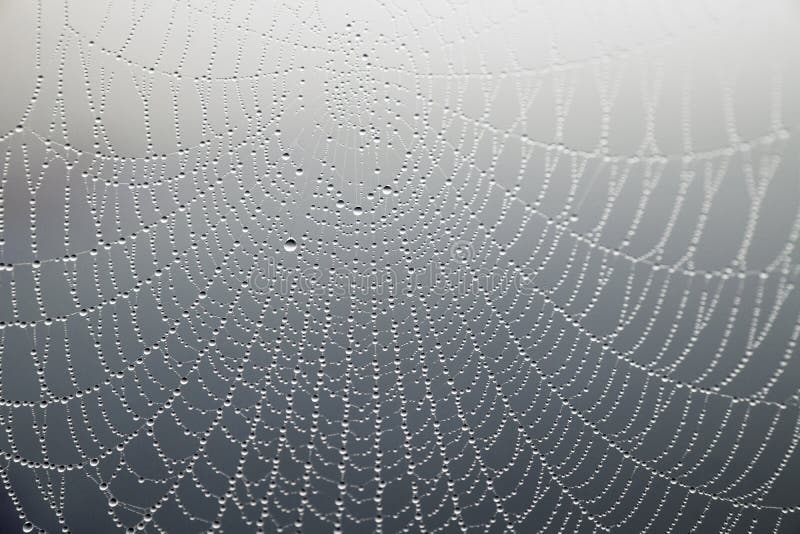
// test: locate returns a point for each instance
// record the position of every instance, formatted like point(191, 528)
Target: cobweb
point(400, 266)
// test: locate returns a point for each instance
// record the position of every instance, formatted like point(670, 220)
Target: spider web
point(399, 266)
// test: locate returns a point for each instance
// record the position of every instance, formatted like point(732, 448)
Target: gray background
point(544, 274)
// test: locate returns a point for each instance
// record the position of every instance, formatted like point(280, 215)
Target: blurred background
point(399, 266)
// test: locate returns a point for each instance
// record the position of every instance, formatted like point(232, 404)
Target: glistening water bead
point(290, 245)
